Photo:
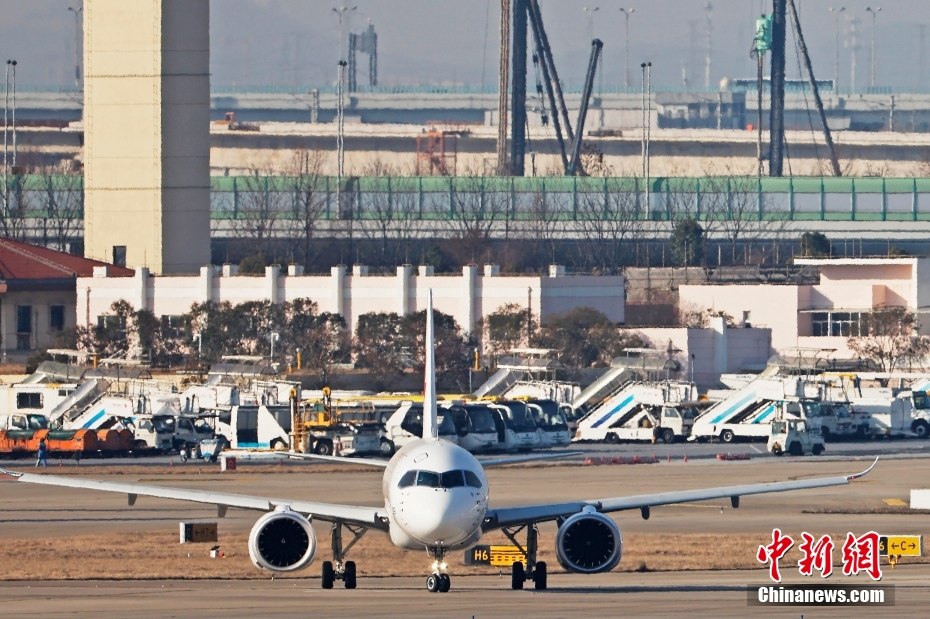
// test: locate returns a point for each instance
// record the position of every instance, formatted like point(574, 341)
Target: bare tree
point(311, 195)
point(391, 213)
point(261, 209)
point(889, 337)
point(479, 205)
point(63, 196)
point(609, 216)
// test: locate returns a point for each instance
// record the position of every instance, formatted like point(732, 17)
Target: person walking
point(42, 454)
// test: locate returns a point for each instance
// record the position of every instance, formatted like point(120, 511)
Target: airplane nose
point(441, 518)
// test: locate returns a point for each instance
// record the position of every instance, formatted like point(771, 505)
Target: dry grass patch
point(158, 555)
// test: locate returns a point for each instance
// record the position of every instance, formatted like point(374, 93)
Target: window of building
point(839, 324)
point(23, 327)
point(119, 255)
point(56, 317)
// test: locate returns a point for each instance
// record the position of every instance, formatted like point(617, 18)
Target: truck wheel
point(795, 449)
point(387, 447)
point(184, 455)
point(727, 436)
point(817, 449)
point(278, 445)
point(323, 448)
point(921, 428)
point(777, 450)
point(611, 438)
point(668, 436)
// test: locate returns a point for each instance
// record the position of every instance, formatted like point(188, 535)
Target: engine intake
point(282, 541)
point(589, 542)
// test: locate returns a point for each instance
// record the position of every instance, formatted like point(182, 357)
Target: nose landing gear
point(439, 581)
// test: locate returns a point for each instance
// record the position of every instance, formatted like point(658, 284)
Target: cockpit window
point(449, 479)
point(428, 478)
point(452, 479)
point(409, 479)
point(471, 479)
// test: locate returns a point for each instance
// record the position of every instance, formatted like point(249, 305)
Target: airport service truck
point(795, 436)
point(642, 411)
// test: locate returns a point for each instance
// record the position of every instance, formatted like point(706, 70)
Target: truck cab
point(406, 424)
point(516, 428)
point(475, 427)
point(796, 437)
point(551, 424)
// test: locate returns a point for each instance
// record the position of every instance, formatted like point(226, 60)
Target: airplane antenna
point(430, 426)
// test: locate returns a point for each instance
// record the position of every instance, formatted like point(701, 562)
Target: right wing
point(328, 512)
point(511, 516)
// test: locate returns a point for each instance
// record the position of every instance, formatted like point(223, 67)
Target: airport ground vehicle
point(208, 449)
point(551, 424)
point(474, 426)
point(406, 425)
point(516, 428)
point(316, 428)
point(796, 437)
point(641, 411)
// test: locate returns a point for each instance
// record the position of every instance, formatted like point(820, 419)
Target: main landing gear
point(338, 569)
point(534, 570)
point(439, 581)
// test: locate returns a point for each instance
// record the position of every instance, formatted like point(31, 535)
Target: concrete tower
point(146, 132)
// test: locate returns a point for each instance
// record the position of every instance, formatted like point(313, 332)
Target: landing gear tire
point(329, 575)
point(540, 576)
point(445, 583)
point(349, 576)
point(432, 583)
point(518, 575)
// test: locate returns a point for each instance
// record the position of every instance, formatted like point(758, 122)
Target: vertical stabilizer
point(430, 427)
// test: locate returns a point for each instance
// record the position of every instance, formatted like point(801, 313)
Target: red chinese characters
point(775, 551)
point(816, 555)
point(860, 554)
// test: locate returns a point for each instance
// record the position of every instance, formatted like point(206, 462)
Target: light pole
point(709, 10)
point(874, 11)
point(272, 337)
point(626, 46)
point(589, 13)
point(647, 121)
point(12, 63)
point(836, 46)
point(77, 44)
point(343, 13)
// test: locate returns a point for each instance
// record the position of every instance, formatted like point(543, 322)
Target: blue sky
point(295, 43)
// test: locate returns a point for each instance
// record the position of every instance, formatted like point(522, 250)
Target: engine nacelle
point(589, 542)
point(282, 541)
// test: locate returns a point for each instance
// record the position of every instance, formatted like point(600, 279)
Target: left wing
point(490, 462)
point(510, 516)
point(329, 512)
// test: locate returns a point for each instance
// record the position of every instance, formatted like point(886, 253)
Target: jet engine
point(589, 542)
point(282, 541)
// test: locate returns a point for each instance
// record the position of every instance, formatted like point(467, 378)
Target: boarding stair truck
point(516, 427)
point(474, 425)
point(642, 411)
point(78, 398)
point(794, 436)
point(551, 424)
point(406, 425)
point(747, 413)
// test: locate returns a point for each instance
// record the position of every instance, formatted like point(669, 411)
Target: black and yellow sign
point(900, 545)
point(498, 556)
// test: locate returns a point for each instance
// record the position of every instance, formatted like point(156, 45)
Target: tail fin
point(430, 426)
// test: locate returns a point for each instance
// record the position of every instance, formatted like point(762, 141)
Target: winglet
point(10, 473)
point(863, 473)
point(430, 425)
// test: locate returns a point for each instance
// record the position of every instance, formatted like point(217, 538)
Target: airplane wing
point(510, 516)
point(528, 458)
point(329, 512)
point(340, 459)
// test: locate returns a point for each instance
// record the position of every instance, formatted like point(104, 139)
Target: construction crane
point(365, 42)
point(526, 14)
point(776, 115)
point(574, 164)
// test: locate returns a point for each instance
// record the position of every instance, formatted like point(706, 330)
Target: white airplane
point(436, 497)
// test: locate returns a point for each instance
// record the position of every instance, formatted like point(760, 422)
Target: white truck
point(406, 425)
point(641, 411)
point(795, 437)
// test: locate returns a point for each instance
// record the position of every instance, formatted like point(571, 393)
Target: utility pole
point(709, 10)
point(777, 112)
point(626, 46)
point(836, 46)
point(761, 44)
point(874, 11)
point(853, 51)
point(518, 89)
point(78, 13)
point(503, 89)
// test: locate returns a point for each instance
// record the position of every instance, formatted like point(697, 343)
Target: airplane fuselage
point(435, 495)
